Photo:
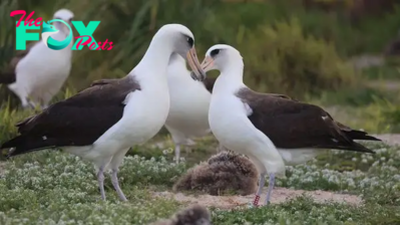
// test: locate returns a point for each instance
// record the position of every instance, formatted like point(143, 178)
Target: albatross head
point(182, 41)
point(64, 14)
point(221, 56)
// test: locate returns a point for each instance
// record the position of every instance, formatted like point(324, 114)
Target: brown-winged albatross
point(102, 122)
point(190, 99)
point(38, 73)
point(271, 129)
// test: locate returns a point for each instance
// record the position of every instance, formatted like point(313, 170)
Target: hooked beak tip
point(197, 72)
point(197, 78)
point(193, 76)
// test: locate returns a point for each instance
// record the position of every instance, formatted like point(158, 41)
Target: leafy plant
point(287, 61)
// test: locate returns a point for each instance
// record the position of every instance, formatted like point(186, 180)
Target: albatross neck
point(231, 77)
point(155, 61)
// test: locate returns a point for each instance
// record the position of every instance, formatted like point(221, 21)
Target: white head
point(220, 56)
point(181, 39)
point(64, 14)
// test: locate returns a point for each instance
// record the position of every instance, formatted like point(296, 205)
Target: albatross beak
point(195, 65)
point(207, 64)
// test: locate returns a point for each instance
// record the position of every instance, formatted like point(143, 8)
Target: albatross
point(102, 122)
point(271, 129)
point(38, 73)
point(190, 99)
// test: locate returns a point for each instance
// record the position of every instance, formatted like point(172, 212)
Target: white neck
point(154, 62)
point(176, 59)
point(177, 67)
point(231, 78)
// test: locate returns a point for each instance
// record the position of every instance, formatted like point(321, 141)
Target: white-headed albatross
point(270, 129)
point(102, 122)
point(38, 73)
point(190, 99)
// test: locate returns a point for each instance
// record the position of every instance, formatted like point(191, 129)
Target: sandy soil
point(390, 139)
point(279, 195)
point(365, 61)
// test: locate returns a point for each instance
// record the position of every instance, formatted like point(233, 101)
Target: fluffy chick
point(193, 215)
point(225, 171)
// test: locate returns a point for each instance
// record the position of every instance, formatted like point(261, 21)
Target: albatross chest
point(229, 123)
point(143, 117)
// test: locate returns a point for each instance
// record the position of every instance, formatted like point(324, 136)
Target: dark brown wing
point(278, 96)
point(292, 124)
point(8, 76)
point(76, 121)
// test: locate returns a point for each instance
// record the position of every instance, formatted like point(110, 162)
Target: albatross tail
point(24, 144)
point(353, 146)
point(360, 135)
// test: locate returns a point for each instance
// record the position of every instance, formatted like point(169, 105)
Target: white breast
point(230, 125)
point(190, 102)
point(144, 115)
point(227, 120)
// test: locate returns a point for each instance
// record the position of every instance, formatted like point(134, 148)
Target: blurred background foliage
point(329, 52)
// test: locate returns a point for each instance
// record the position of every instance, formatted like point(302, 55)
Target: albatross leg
point(177, 152)
point(114, 180)
point(32, 104)
point(270, 187)
point(116, 161)
point(25, 104)
point(260, 187)
point(100, 179)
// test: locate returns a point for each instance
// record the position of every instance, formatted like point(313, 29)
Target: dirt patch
point(390, 139)
point(389, 85)
point(365, 61)
point(279, 195)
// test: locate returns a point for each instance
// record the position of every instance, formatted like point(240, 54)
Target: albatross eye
point(214, 52)
point(190, 41)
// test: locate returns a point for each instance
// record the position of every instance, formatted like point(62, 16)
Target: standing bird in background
point(102, 122)
point(272, 130)
point(190, 100)
point(38, 73)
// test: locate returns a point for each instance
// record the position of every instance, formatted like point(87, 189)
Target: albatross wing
point(77, 121)
point(292, 125)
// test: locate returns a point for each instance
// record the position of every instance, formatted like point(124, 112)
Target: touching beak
point(195, 65)
point(207, 64)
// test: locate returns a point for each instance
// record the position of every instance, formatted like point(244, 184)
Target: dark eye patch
point(214, 52)
point(190, 41)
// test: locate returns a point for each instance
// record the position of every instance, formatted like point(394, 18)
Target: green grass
point(51, 187)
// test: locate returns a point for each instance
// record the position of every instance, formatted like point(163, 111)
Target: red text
point(28, 20)
point(93, 45)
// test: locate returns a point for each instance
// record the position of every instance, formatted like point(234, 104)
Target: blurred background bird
point(37, 74)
